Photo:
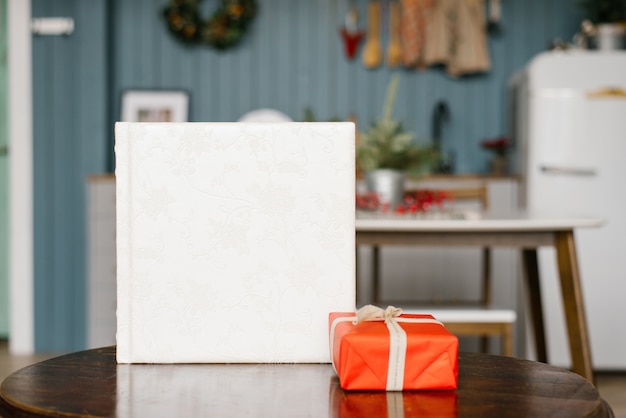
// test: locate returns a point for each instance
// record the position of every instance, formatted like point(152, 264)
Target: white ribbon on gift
point(397, 338)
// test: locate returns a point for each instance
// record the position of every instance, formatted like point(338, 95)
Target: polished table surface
point(524, 230)
point(91, 383)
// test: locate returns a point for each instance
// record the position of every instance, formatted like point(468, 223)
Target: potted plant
point(500, 147)
point(606, 22)
point(386, 153)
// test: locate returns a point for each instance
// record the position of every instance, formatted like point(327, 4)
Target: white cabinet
point(101, 289)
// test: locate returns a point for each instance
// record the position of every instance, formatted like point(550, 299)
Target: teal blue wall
point(291, 59)
point(71, 133)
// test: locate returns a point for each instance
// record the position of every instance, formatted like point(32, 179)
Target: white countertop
point(473, 221)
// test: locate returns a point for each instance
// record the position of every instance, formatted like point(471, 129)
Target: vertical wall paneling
point(70, 140)
point(261, 72)
point(243, 66)
point(112, 97)
point(93, 137)
point(330, 45)
point(338, 94)
point(62, 190)
point(43, 168)
point(303, 41)
point(291, 58)
point(284, 63)
point(146, 31)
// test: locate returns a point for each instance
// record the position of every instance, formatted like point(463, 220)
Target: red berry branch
point(420, 201)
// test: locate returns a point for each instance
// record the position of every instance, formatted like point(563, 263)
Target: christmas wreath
point(224, 29)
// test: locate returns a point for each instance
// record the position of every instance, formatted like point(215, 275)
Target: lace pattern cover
point(234, 240)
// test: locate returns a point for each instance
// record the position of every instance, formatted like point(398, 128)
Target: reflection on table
point(91, 383)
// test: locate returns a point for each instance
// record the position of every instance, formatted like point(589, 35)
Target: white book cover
point(234, 240)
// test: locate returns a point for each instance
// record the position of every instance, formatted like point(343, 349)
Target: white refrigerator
point(571, 133)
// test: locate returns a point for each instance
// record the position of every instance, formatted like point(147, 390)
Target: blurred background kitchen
point(62, 80)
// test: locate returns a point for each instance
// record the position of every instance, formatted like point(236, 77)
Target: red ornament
point(351, 41)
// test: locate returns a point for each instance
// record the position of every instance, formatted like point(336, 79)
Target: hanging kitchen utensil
point(493, 22)
point(394, 47)
point(416, 16)
point(372, 52)
point(442, 32)
point(470, 50)
point(350, 32)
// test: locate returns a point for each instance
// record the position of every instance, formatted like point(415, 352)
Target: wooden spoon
point(372, 51)
point(394, 48)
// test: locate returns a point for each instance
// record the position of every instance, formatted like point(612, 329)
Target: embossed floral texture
point(234, 240)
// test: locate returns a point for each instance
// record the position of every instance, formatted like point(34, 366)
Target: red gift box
point(384, 350)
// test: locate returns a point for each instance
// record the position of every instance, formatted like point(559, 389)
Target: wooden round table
point(91, 383)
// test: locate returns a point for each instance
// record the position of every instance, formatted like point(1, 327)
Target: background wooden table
point(91, 383)
point(525, 231)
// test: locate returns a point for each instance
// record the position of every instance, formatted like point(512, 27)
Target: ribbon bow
point(374, 313)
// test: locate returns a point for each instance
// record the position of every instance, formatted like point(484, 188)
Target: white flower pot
point(608, 37)
point(387, 184)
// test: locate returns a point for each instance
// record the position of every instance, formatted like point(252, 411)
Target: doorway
point(4, 178)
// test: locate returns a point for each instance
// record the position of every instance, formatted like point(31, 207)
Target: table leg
point(573, 304)
point(531, 269)
point(375, 274)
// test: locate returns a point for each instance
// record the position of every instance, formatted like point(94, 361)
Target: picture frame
point(155, 106)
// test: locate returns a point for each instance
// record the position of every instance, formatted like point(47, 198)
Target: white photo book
point(234, 240)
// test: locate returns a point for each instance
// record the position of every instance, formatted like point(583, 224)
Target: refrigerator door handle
point(571, 171)
point(610, 92)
